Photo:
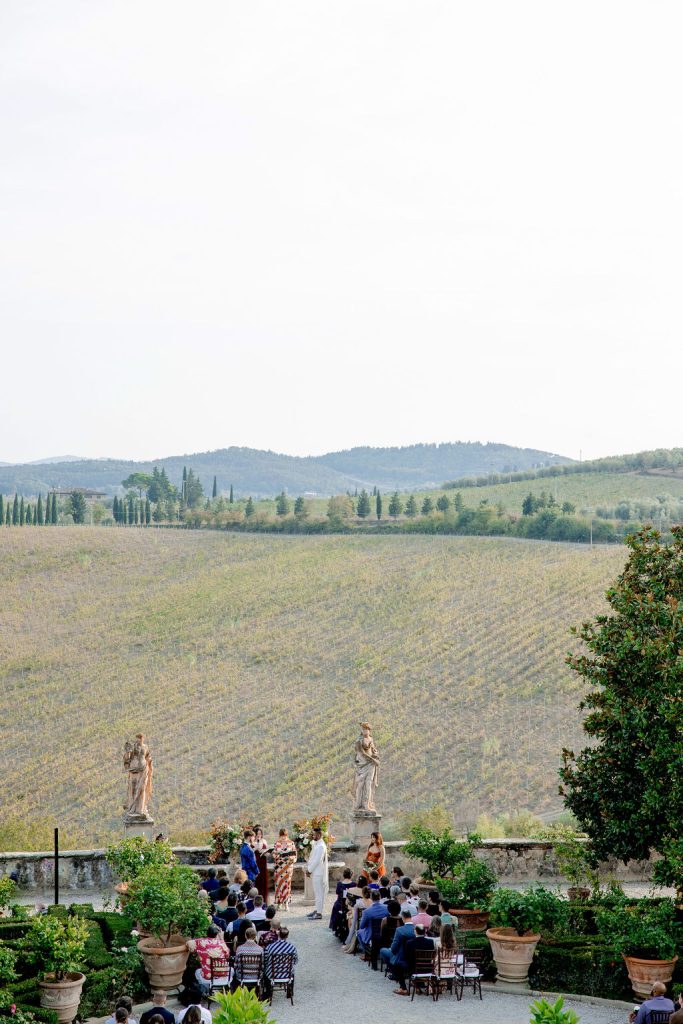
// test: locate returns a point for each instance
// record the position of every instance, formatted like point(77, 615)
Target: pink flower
point(13, 1008)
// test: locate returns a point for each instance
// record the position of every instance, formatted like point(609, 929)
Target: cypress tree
point(148, 511)
point(48, 508)
point(282, 505)
point(363, 505)
point(39, 511)
point(8, 516)
point(457, 502)
point(136, 512)
point(378, 505)
point(29, 516)
point(232, 496)
point(2, 509)
point(15, 510)
point(427, 506)
point(183, 492)
point(55, 510)
point(249, 508)
point(214, 491)
point(395, 505)
point(22, 511)
point(115, 509)
point(411, 507)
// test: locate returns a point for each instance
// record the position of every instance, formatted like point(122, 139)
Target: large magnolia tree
point(627, 789)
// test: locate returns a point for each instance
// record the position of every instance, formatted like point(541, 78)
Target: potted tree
point(164, 899)
point(440, 852)
point(517, 918)
point(573, 861)
point(56, 947)
point(469, 893)
point(647, 936)
point(131, 856)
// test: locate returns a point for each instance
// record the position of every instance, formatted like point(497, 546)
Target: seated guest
point(384, 894)
point(158, 1008)
point(121, 1015)
point(422, 917)
point(434, 931)
point(390, 924)
point(253, 893)
point(377, 911)
point(396, 955)
point(270, 932)
point(212, 946)
point(414, 897)
point(222, 876)
point(228, 915)
point(448, 951)
point(445, 912)
point(211, 883)
point(374, 879)
point(249, 947)
point(405, 884)
point(238, 880)
point(240, 922)
point(394, 892)
point(362, 904)
point(345, 883)
point(433, 904)
point(126, 1003)
point(396, 876)
point(677, 1017)
point(258, 913)
point(192, 1012)
point(384, 881)
point(274, 953)
point(658, 1001)
point(419, 942)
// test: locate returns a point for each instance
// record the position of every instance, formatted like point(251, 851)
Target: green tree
point(300, 510)
point(22, 511)
point(529, 505)
point(136, 512)
point(378, 506)
point(8, 514)
point(194, 492)
point(339, 510)
point(443, 503)
point(15, 510)
point(77, 506)
point(158, 512)
point(411, 507)
point(183, 491)
point(568, 509)
point(54, 516)
point(458, 503)
point(115, 509)
point(2, 509)
point(232, 496)
point(214, 490)
point(282, 504)
point(427, 506)
point(29, 517)
point(395, 505)
point(626, 789)
point(138, 481)
point(249, 508)
point(363, 504)
point(148, 511)
point(39, 511)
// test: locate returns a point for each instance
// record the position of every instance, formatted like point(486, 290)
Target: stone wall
point(513, 860)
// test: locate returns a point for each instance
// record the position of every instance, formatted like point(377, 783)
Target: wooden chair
point(280, 974)
point(248, 971)
point(221, 975)
point(659, 1017)
point(444, 970)
point(375, 942)
point(469, 972)
point(422, 976)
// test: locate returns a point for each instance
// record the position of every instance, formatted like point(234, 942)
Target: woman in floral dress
point(284, 856)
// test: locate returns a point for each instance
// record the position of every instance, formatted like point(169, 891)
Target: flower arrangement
point(226, 838)
point(303, 833)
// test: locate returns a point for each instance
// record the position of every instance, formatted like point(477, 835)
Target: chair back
point(220, 968)
point(376, 927)
point(281, 967)
point(424, 961)
point(248, 967)
point(659, 1017)
point(445, 962)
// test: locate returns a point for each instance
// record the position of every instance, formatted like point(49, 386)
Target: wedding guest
point(247, 856)
point(284, 856)
point(374, 855)
point(260, 847)
point(158, 1008)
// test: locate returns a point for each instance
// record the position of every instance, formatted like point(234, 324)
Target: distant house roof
point(87, 492)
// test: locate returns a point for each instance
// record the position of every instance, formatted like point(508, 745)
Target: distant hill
point(263, 473)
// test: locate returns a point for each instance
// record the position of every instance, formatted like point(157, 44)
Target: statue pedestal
point(138, 825)
point(363, 824)
point(309, 897)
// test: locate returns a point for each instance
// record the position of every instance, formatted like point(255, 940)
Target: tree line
point(20, 512)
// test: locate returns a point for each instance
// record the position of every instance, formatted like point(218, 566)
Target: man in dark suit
point(397, 955)
point(248, 858)
point(420, 942)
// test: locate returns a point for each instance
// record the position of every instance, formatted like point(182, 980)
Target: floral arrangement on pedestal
point(226, 838)
point(302, 833)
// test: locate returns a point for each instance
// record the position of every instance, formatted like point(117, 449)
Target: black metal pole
point(56, 866)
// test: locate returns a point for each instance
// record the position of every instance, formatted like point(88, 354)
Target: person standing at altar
point(260, 848)
point(248, 857)
point(317, 869)
point(284, 855)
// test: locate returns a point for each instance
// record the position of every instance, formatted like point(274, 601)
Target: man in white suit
point(317, 869)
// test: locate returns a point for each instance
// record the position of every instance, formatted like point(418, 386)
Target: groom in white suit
point(317, 869)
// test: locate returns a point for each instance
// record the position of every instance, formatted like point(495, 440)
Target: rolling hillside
point(262, 473)
point(249, 661)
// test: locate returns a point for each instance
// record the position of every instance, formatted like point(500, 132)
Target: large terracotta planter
point(513, 953)
point(576, 892)
point(644, 973)
point(62, 996)
point(165, 965)
point(471, 920)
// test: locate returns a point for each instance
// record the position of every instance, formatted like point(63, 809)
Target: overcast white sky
point(307, 226)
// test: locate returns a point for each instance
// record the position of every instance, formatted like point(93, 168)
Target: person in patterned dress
point(284, 856)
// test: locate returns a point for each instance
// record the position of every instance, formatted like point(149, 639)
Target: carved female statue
point(366, 765)
point(138, 762)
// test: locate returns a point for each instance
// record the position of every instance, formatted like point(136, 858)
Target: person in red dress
point(260, 847)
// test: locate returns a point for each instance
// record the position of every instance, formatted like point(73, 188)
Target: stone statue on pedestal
point(366, 764)
point(137, 761)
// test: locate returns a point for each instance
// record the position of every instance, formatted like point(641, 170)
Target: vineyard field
point(250, 660)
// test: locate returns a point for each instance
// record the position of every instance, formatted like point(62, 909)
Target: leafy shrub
point(96, 954)
point(163, 898)
point(436, 818)
point(471, 886)
point(56, 947)
point(8, 959)
point(82, 910)
point(587, 968)
point(649, 930)
point(531, 910)
point(240, 1007)
point(129, 857)
point(7, 887)
point(543, 1012)
point(441, 852)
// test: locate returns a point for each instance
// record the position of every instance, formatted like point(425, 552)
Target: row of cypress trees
point(132, 511)
point(18, 512)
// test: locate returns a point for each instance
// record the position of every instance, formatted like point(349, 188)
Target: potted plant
point(469, 893)
point(240, 1007)
point(129, 857)
point(56, 946)
point(543, 1012)
point(646, 935)
point(164, 899)
point(517, 919)
point(573, 861)
point(440, 852)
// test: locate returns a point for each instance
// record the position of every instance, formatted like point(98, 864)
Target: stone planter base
point(644, 973)
point(165, 965)
point(513, 953)
point(62, 996)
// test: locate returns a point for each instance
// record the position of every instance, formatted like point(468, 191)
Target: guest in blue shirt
point(248, 857)
point(659, 1001)
point(211, 883)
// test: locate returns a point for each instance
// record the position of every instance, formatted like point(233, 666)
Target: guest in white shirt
point(258, 913)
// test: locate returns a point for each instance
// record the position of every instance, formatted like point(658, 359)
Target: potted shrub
point(164, 899)
point(518, 918)
point(131, 856)
point(240, 1007)
point(647, 936)
point(469, 892)
point(440, 852)
point(56, 946)
point(573, 861)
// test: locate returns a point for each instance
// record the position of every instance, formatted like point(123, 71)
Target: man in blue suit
point(376, 911)
point(397, 956)
point(248, 858)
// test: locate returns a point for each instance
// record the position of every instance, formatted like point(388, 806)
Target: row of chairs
point(437, 971)
point(252, 975)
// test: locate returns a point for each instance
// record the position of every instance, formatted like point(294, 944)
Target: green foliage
point(543, 1012)
point(77, 507)
point(300, 510)
point(411, 507)
point(249, 508)
point(363, 504)
point(282, 504)
point(163, 898)
point(8, 959)
point(129, 857)
point(138, 481)
point(7, 889)
point(513, 825)
point(56, 946)
point(240, 1007)
point(470, 887)
point(648, 929)
point(427, 506)
point(531, 910)
point(627, 788)
point(440, 851)
point(443, 503)
point(395, 505)
point(579, 965)
point(378, 506)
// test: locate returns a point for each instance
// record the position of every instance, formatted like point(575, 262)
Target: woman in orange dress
point(284, 855)
point(374, 856)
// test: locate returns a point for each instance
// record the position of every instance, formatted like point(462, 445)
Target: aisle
point(343, 989)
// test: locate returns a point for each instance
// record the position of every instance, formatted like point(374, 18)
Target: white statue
point(366, 765)
point(137, 761)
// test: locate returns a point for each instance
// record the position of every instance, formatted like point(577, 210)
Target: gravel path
point(341, 989)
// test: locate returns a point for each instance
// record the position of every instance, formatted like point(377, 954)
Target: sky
point(309, 226)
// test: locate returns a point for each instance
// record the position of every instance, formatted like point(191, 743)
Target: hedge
point(116, 928)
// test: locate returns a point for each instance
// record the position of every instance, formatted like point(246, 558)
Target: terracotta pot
point(644, 973)
point(575, 892)
point(471, 920)
point(513, 953)
point(62, 996)
point(165, 965)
